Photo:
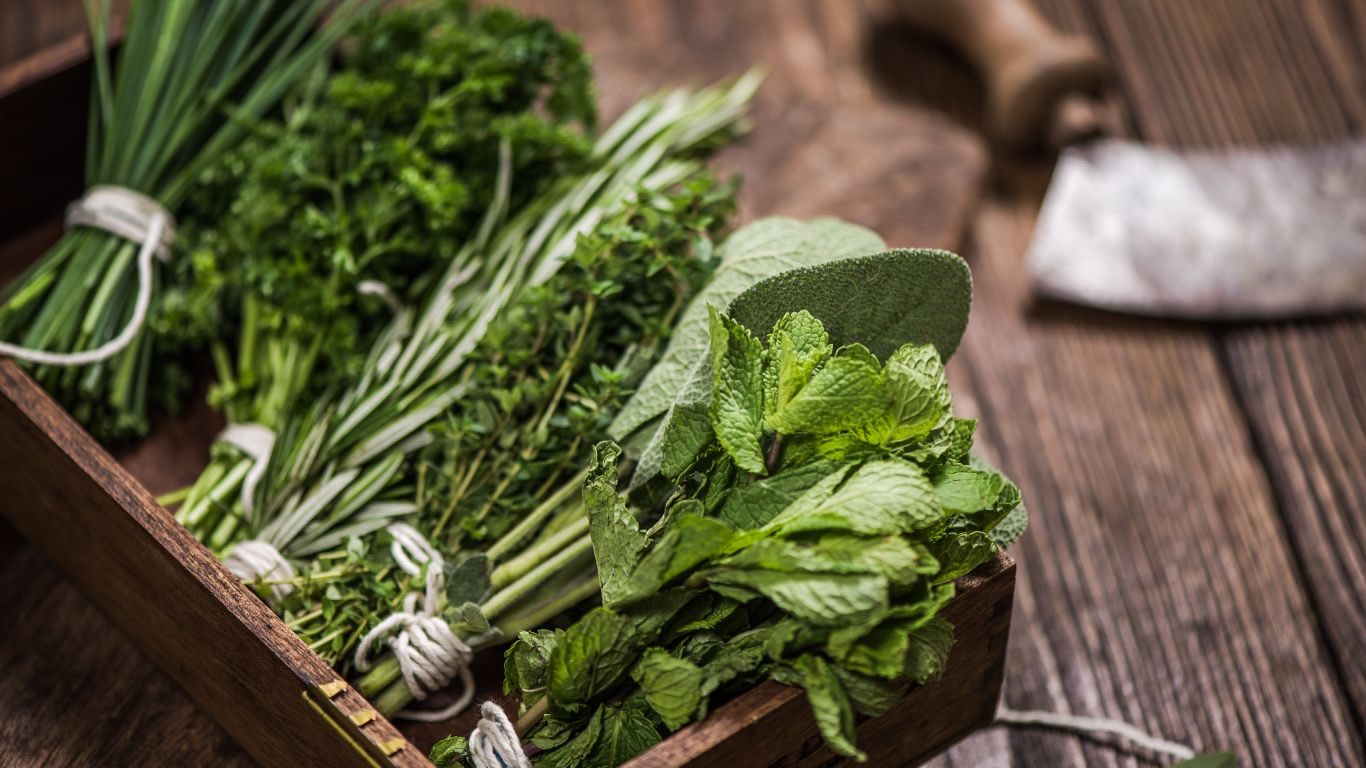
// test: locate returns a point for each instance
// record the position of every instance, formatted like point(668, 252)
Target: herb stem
point(522, 564)
point(525, 585)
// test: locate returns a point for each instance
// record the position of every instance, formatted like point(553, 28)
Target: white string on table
point(1087, 725)
point(255, 559)
point(429, 653)
point(494, 743)
point(133, 216)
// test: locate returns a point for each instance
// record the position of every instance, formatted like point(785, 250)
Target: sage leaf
point(881, 300)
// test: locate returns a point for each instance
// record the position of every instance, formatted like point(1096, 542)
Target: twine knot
point(133, 216)
point(429, 653)
point(254, 559)
point(256, 442)
point(493, 742)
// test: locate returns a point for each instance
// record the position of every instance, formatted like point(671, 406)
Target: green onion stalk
point(155, 124)
point(336, 469)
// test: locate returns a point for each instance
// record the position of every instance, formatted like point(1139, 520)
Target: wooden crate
point(98, 522)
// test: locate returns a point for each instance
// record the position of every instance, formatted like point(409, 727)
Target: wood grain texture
point(87, 515)
point(1247, 74)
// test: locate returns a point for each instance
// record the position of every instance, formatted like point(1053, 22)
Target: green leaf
point(672, 686)
point(928, 651)
point(468, 580)
point(844, 393)
point(824, 599)
point(754, 505)
point(882, 497)
point(574, 752)
point(870, 696)
point(737, 405)
point(617, 538)
point(626, 732)
point(830, 704)
point(684, 438)
point(685, 544)
point(527, 662)
point(882, 301)
point(593, 655)
point(959, 553)
point(1011, 527)
point(449, 752)
point(796, 346)
point(916, 397)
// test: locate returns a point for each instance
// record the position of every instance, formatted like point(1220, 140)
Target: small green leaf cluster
point(811, 538)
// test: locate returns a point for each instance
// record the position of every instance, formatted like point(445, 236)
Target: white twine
point(494, 743)
point(1083, 724)
point(384, 292)
point(429, 653)
point(133, 216)
point(256, 442)
point(255, 559)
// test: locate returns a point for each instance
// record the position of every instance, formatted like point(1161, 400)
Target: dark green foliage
point(847, 505)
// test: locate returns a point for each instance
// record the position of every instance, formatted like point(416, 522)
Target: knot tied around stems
point(429, 654)
point(255, 559)
point(493, 742)
point(256, 442)
point(133, 216)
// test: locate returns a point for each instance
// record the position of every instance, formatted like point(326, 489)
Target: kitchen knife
point(1246, 233)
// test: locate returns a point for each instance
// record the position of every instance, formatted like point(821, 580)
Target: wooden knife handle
point(1038, 80)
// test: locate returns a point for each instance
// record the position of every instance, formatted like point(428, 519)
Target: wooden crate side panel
point(771, 726)
point(239, 662)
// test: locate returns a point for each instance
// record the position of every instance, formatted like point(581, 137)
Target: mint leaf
point(882, 497)
point(917, 398)
point(449, 752)
point(626, 732)
point(737, 405)
point(824, 599)
point(754, 505)
point(830, 703)
point(672, 686)
point(928, 653)
point(682, 376)
point(683, 438)
point(960, 553)
point(593, 655)
point(846, 392)
point(685, 544)
point(882, 301)
point(870, 696)
point(527, 661)
point(797, 345)
point(617, 538)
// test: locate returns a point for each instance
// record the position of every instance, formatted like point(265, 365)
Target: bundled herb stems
point(155, 124)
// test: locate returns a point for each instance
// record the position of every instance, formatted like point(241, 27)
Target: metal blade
point(1241, 234)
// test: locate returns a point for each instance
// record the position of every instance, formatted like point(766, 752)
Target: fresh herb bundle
point(336, 468)
point(374, 176)
point(550, 374)
point(810, 537)
point(155, 124)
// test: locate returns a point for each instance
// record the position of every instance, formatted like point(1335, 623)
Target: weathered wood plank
point(1157, 584)
point(1237, 73)
point(79, 509)
point(76, 691)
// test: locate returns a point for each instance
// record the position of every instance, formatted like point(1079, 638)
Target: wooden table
point(1197, 558)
